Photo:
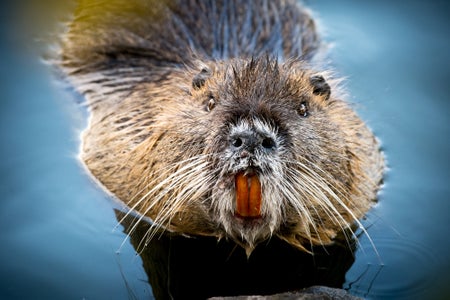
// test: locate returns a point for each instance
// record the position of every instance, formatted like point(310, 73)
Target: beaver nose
point(251, 141)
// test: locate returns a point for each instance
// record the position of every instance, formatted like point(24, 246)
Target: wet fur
point(167, 84)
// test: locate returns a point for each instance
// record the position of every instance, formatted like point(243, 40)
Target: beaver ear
point(321, 87)
point(199, 80)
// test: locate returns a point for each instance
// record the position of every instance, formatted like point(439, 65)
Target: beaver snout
point(249, 141)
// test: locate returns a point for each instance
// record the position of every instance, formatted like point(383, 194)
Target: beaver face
point(270, 151)
point(244, 149)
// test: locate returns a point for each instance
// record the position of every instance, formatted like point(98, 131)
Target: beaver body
point(214, 118)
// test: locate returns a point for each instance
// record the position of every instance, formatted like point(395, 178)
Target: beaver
point(218, 118)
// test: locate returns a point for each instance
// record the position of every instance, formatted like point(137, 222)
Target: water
point(57, 239)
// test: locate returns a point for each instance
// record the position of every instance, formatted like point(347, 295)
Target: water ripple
point(403, 270)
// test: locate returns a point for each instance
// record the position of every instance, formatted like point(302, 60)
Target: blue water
point(57, 239)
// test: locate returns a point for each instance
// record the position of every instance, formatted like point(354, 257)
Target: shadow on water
point(197, 268)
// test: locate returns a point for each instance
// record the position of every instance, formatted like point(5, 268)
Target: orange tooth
point(248, 195)
point(254, 203)
point(242, 195)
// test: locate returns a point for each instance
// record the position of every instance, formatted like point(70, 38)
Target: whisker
point(313, 191)
point(190, 190)
point(163, 188)
point(161, 183)
point(320, 185)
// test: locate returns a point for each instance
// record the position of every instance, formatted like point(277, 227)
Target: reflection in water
point(201, 267)
point(377, 279)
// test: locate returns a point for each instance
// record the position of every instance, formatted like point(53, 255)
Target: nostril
point(268, 143)
point(237, 142)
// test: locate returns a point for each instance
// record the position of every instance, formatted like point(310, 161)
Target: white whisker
point(320, 189)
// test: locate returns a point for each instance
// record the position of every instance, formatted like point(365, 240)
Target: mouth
point(248, 195)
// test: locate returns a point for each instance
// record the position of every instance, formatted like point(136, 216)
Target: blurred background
point(57, 238)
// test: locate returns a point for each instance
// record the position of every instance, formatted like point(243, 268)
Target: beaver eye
point(303, 109)
point(211, 104)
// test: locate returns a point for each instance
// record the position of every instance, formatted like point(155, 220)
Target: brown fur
point(168, 81)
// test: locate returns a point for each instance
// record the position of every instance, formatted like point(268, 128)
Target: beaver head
point(244, 149)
